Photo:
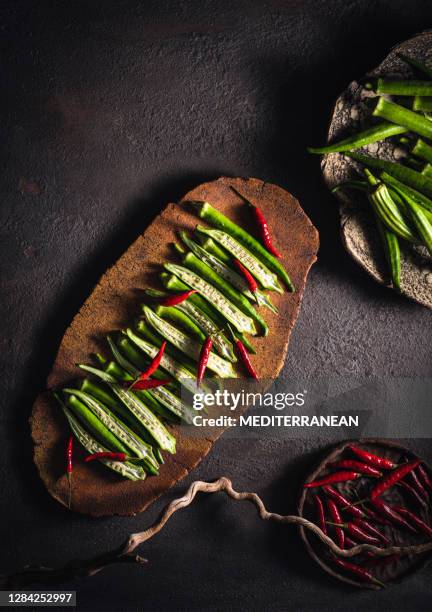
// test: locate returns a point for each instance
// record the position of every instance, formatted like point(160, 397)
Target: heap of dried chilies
point(372, 519)
point(195, 326)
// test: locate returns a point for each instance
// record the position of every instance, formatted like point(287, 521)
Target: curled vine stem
point(125, 553)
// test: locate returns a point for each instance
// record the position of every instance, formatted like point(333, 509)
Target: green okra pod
point(360, 139)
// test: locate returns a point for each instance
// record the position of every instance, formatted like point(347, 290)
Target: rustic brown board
point(114, 302)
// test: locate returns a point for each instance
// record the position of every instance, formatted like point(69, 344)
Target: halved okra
point(133, 443)
point(124, 468)
point(241, 321)
point(266, 278)
point(215, 363)
point(156, 429)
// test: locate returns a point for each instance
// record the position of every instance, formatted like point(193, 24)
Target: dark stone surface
point(110, 110)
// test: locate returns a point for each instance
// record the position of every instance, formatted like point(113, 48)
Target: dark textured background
point(110, 110)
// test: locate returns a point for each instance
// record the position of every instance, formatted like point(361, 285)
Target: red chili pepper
point(178, 298)
point(393, 477)
point(252, 284)
point(418, 523)
point(336, 517)
point(69, 467)
point(374, 460)
point(155, 363)
point(265, 232)
point(360, 534)
point(360, 572)
point(107, 455)
point(243, 354)
point(424, 477)
point(345, 503)
point(332, 478)
point(414, 493)
point(320, 512)
point(357, 466)
point(418, 485)
point(203, 358)
point(366, 526)
point(392, 515)
point(152, 383)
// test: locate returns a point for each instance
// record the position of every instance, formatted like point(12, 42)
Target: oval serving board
point(115, 302)
point(359, 234)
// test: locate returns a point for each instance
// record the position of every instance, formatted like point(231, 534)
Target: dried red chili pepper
point(335, 515)
point(357, 466)
point(393, 477)
point(418, 523)
point(424, 477)
point(388, 512)
point(243, 355)
point(413, 492)
point(69, 467)
point(366, 526)
point(107, 455)
point(360, 534)
point(154, 364)
point(345, 503)
point(418, 485)
point(152, 383)
point(360, 572)
point(203, 358)
point(371, 459)
point(252, 284)
point(332, 478)
point(178, 298)
point(320, 512)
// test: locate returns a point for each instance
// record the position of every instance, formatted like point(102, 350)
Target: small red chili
point(394, 517)
point(203, 358)
point(366, 526)
point(393, 477)
point(371, 459)
point(152, 383)
point(155, 363)
point(107, 455)
point(415, 520)
point(69, 467)
point(357, 466)
point(418, 485)
point(413, 492)
point(345, 503)
point(332, 478)
point(335, 515)
point(360, 534)
point(320, 512)
point(252, 284)
point(243, 355)
point(361, 572)
point(424, 476)
point(178, 298)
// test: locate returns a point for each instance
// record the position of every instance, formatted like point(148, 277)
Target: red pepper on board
point(361, 534)
point(69, 467)
point(155, 363)
point(371, 459)
point(107, 455)
point(393, 477)
point(417, 522)
point(178, 298)
point(332, 478)
point(252, 284)
point(141, 385)
point(366, 526)
point(357, 466)
point(393, 516)
point(360, 572)
point(345, 503)
point(243, 355)
point(203, 358)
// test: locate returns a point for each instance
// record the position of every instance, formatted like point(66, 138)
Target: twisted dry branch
point(124, 554)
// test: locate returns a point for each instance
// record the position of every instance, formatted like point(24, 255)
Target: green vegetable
point(229, 310)
point(402, 189)
point(421, 221)
point(403, 88)
point(215, 363)
point(422, 104)
point(138, 447)
point(406, 175)
point(427, 170)
point(392, 253)
point(404, 117)
point(422, 150)
point(220, 221)
point(267, 279)
point(124, 468)
point(389, 213)
point(209, 245)
point(151, 423)
point(191, 261)
point(178, 316)
point(374, 134)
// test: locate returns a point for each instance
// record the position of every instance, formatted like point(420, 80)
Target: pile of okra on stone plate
point(198, 321)
point(400, 194)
